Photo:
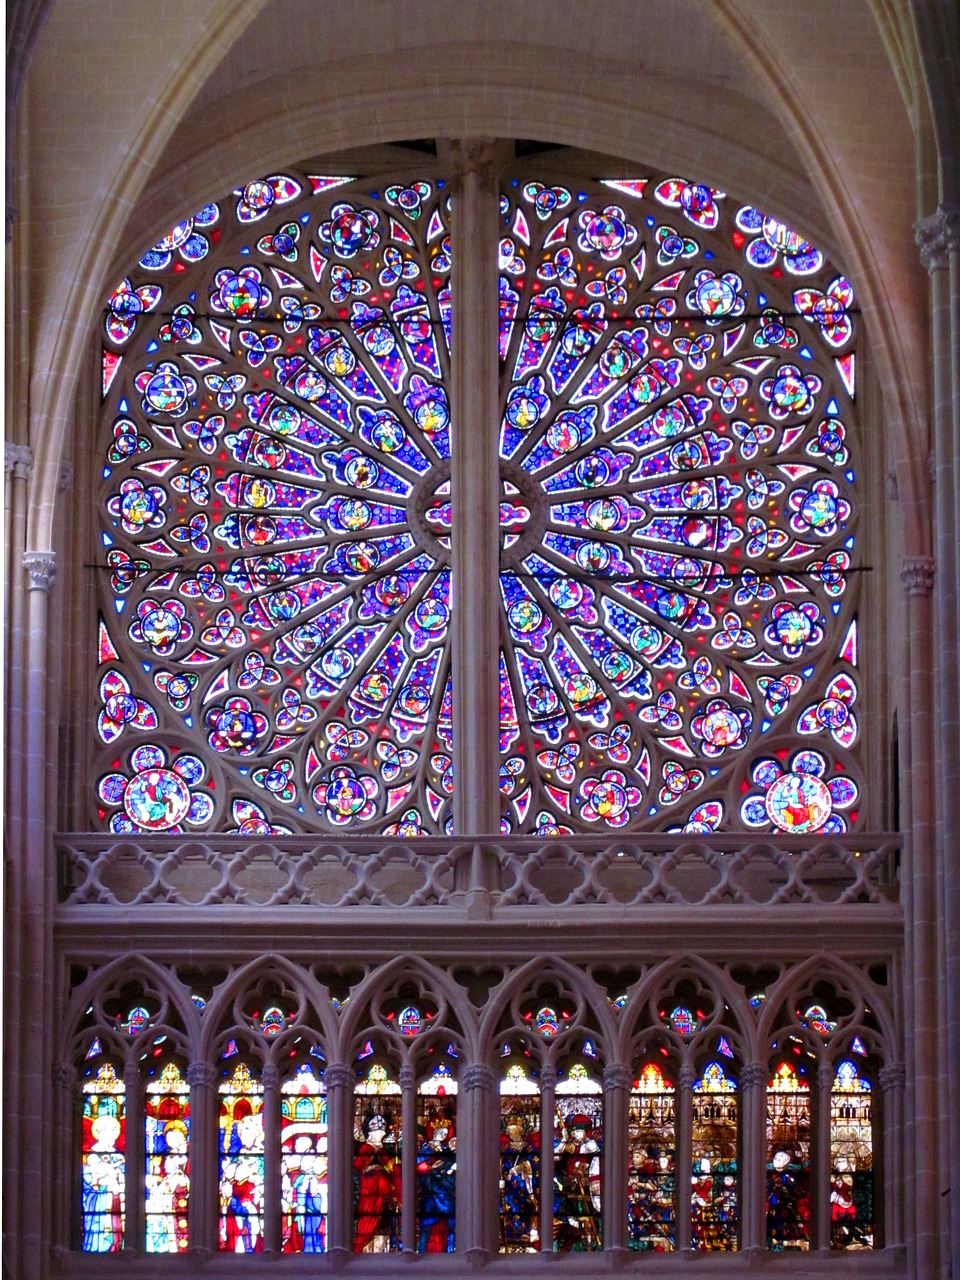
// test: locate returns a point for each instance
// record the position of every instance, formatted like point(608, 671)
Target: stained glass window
point(437, 1162)
point(852, 1211)
point(577, 1167)
point(377, 1181)
point(677, 515)
point(677, 518)
point(519, 1162)
point(167, 1169)
point(103, 1162)
point(303, 1162)
point(714, 1197)
point(241, 1162)
point(273, 484)
point(788, 1160)
point(651, 1180)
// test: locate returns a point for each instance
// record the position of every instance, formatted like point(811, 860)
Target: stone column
point(408, 1159)
point(204, 1160)
point(820, 1170)
point(939, 241)
point(889, 1175)
point(340, 1079)
point(616, 1092)
point(270, 1079)
point(548, 1097)
point(477, 1163)
point(30, 906)
point(66, 1198)
point(921, 1176)
point(753, 1144)
point(475, 487)
point(683, 1155)
point(134, 1234)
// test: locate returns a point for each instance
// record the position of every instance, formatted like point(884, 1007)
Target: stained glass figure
point(303, 1162)
point(714, 1200)
point(377, 1179)
point(852, 1191)
point(241, 1162)
point(683, 486)
point(103, 1162)
point(167, 1170)
point(279, 419)
point(519, 1162)
point(651, 1180)
point(437, 1163)
point(577, 1147)
point(788, 1160)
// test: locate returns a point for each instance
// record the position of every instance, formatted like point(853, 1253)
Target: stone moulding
point(439, 872)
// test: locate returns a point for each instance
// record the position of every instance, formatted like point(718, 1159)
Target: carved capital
point(916, 574)
point(407, 1078)
point(470, 155)
point(548, 1077)
point(131, 1077)
point(825, 1076)
point(937, 237)
point(65, 478)
point(201, 1075)
point(892, 1076)
point(478, 1076)
point(270, 1078)
point(617, 1075)
point(753, 1074)
point(340, 1075)
point(686, 1077)
point(64, 1075)
point(41, 567)
point(17, 458)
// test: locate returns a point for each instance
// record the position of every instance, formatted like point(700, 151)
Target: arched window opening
point(852, 1194)
point(103, 1158)
point(166, 1158)
point(437, 1161)
point(241, 1142)
point(519, 1159)
point(715, 1196)
point(677, 515)
point(377, 1160)
point(788, 1158)
point(578, 1137)
point(651, 1182)
point(304, 1148)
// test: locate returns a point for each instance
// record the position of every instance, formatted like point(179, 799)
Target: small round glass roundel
point(798, 802)
point(156, 800)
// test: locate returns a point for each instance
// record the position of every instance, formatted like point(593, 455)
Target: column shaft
point(204, 1162)
point(475, 486)
point(269, 1078)
point(340, 1079)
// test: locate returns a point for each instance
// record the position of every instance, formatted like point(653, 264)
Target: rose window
point(676, 511)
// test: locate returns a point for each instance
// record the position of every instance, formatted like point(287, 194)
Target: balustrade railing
point(442, 872)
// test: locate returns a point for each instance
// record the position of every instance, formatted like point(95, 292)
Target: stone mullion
point(477, 1174)
point(66, 1198)
point(475, 497)
point(820, 1163)
point(270, 1079)
point(340, 1079)
point(204, 1164)
point(134, 1224)
point(616, 1093)
point(683, 1157)
point(548, 1098)
point(408, 1159)
point(753, 1164)
point(888, 1176)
